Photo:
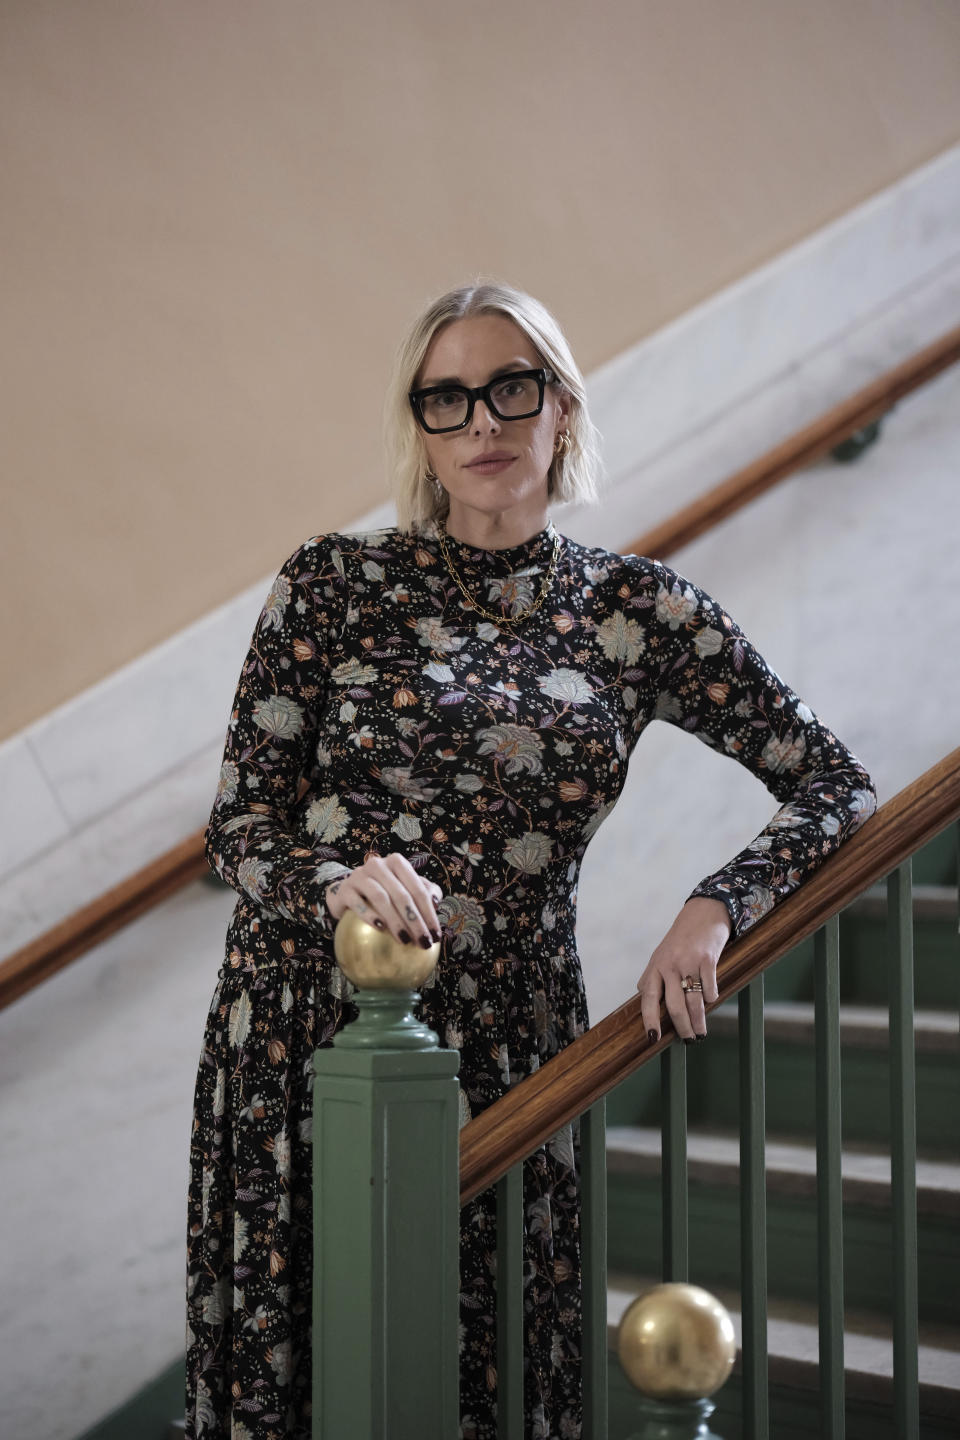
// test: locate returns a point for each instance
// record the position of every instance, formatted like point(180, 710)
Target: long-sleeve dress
point(376, 712)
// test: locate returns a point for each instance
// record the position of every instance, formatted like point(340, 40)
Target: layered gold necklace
point(491, 615)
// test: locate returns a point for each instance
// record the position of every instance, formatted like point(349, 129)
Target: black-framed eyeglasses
point(518, 395)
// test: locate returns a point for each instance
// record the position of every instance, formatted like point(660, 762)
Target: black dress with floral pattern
point(377, 712)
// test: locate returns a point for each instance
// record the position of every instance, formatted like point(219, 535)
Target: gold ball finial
point(676, 1342)
point(374, 960)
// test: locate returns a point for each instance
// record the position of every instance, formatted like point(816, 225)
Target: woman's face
point(513, 480)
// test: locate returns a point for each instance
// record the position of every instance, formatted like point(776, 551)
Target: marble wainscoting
point(847, 579)
point(109, 781)
point(96, 1073)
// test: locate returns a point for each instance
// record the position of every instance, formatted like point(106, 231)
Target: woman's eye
point(447, 399)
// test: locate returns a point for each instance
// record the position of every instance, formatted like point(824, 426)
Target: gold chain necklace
point(474, 604)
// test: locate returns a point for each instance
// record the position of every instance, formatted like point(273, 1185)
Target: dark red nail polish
point(379, 923)
point(652, 1035)
point(436, 937)
point(404, 937)
point(425, 941)
point(698, 1038)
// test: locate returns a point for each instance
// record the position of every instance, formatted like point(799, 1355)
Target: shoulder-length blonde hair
point(419, 498)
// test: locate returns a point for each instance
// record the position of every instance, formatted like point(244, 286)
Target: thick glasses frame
point(543, 378)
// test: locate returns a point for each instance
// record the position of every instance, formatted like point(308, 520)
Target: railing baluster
point(594, 1258)
point(903, 1152)
point(826, 952)
point(753, 1213)
point(673, 1162)
point(510, 1305)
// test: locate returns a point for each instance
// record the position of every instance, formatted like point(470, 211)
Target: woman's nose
point(484, 421)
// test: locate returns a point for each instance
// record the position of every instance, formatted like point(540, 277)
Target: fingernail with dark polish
point(698, 1038)
point(436, 903)
point(379, 924)
point(652, 1035)
point(436, 937)
point(425, 941)
point(688, 1039)
point(404, 937)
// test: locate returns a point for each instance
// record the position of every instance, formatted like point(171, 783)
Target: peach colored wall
point(217, 217)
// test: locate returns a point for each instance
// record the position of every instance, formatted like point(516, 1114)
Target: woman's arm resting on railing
point(714, 684)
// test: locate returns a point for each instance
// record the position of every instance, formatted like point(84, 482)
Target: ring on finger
point(361, 907)
point(690, 982)
point(410, 913)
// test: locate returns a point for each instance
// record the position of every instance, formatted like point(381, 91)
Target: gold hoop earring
point(563, 445)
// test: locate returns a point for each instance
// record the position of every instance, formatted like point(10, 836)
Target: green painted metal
point(829, 1178)
point(903, 1152)
point(673, 1419)
point(673, 1169)
point(386, 1232)
point(594, 1259)
point(510, 1336)
point(753, 1212)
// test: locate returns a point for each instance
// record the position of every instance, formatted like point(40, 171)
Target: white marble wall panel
point(99, 785)
point(96, 1078)
point(139, 723)
point(33, 819)
point(847, 578)
point(715, 355)
point(97, 856)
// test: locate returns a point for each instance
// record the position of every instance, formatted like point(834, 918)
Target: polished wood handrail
point(87, 927)
point(802, 448)
point(592, 1065)
point(95, 922)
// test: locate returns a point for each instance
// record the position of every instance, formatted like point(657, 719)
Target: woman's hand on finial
point(387, 892)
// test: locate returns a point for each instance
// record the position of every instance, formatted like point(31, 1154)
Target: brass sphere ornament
point(374, 960)
point(676, 1342)
point(387, 976)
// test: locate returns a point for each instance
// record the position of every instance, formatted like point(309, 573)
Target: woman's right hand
point(387, 892)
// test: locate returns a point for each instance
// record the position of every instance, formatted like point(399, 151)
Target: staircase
point(633, 1168)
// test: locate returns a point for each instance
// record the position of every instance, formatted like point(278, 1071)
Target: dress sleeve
point(271, 738)
point(711, 681)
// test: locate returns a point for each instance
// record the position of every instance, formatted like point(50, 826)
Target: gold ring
point(689, 983)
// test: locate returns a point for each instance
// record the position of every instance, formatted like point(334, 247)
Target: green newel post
point(386, 1208)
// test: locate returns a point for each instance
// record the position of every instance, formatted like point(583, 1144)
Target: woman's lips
point(491, 464)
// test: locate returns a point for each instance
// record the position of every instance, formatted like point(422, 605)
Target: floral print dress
point(376, 712)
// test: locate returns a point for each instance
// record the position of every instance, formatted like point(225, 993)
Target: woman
point(430, 726)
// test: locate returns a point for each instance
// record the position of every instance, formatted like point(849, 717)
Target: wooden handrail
point(87, 927)
point(592, 1065)
point(92, 923)
point(802, 448)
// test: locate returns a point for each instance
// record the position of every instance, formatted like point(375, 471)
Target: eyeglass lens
point(512, 398)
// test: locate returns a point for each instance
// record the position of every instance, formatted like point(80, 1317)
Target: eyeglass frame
point(543, 376)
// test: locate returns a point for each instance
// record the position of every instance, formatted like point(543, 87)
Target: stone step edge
point(793, 1349)
point(936, 1032)
point(714, 1159)
point(930, 902)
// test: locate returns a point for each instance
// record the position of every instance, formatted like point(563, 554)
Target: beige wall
point(217, 218)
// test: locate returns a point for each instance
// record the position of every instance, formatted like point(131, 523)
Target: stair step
point(791, 1168)
point(930, 902)
point(936, 1032)
point(792, 1340)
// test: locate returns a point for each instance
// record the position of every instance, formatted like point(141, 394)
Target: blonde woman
point(430, 725)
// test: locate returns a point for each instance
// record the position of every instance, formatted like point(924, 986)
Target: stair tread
point(935, 1031)
point(792, 1342)
point(930, 902)
point(791, 1166)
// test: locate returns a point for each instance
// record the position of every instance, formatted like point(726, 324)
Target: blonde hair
point(420, 498)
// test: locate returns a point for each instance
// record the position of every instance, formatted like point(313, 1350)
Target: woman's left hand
point(691, 947)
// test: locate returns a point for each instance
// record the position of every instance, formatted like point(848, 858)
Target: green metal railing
point(493, 1153)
